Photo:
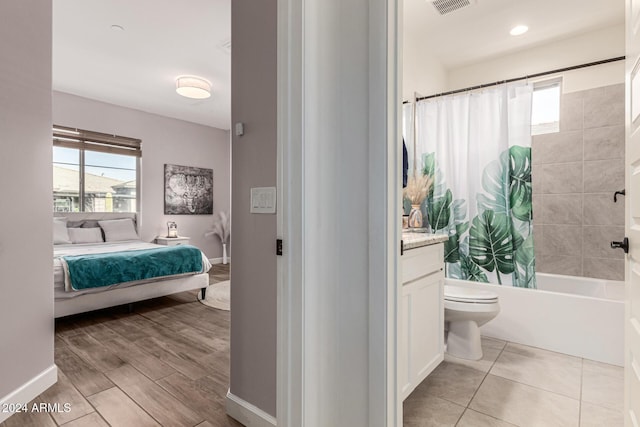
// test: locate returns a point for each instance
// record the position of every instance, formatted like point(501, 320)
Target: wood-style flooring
point(166, 363)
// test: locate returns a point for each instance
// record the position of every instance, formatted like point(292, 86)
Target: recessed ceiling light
point(193, 87)
point(115, 27)
point(519, 30)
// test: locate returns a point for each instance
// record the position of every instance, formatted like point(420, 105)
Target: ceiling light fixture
point(193, 87)
point(519, 30)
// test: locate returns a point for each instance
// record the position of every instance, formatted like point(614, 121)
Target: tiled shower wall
point(575, 173)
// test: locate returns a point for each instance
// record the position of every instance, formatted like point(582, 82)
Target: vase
point(415, 217)
point(224, 253)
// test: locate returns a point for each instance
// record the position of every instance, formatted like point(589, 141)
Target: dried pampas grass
point(417, 188)
point(221, 227)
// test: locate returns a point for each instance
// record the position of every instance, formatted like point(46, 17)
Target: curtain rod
point(532, 76)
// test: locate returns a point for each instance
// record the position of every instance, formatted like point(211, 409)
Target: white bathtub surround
point(577, 316)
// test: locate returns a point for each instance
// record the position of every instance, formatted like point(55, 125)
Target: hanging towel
point(405, 164)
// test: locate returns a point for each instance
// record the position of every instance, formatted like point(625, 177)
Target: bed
point(70, 301)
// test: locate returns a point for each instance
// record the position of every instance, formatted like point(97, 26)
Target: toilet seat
point(471, 307)
point(469, 296)
point(465, 311)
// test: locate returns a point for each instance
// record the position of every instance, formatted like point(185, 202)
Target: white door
point(632, 164)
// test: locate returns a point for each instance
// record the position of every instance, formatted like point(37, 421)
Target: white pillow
point(85, 235)
point(60, 234)
point(117, 230)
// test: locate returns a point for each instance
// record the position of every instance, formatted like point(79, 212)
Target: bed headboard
point(98, 216)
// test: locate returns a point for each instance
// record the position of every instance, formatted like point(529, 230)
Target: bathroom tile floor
point(516, 385)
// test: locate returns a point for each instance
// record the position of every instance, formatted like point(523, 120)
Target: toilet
point(465, 310)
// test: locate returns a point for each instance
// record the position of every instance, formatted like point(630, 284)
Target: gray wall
point(575, 173)
point(164, 140)
point(253, 294)
point(26, 283)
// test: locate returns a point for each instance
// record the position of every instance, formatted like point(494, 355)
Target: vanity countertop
point(412, 240)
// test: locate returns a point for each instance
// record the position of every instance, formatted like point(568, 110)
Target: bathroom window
point(545, 109)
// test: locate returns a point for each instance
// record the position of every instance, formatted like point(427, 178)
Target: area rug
point(218, 296)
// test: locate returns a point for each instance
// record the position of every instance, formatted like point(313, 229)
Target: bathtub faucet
point(624, 245)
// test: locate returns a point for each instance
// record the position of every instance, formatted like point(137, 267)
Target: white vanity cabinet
point(421, 325)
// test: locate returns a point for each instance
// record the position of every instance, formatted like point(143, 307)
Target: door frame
point(384, 111)
point(290, 226)
point(631, 374)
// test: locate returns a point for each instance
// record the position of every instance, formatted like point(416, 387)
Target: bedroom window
point(95, 172)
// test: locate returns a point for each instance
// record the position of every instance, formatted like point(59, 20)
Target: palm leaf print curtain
point(477, 148)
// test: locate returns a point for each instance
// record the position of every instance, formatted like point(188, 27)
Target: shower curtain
point(477, 148)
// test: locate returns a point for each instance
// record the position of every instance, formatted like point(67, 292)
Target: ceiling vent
point(447, 6)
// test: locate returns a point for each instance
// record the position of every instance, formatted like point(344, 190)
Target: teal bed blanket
point(105, 269)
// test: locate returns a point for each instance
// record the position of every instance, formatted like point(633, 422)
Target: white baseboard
point(248, 414)
point(30, 390)
point(219, 260)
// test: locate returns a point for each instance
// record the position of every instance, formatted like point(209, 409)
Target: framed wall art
point(188, 190)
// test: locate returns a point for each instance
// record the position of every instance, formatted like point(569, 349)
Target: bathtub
point(573, 315)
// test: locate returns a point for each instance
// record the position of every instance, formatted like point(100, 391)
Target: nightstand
point(172, 241)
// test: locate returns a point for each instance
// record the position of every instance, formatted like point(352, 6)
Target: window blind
point(95, 141)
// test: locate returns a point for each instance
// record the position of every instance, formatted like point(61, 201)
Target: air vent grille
point(447, 6)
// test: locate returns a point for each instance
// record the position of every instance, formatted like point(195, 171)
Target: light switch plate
point(263, 200)
point(239, 129)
